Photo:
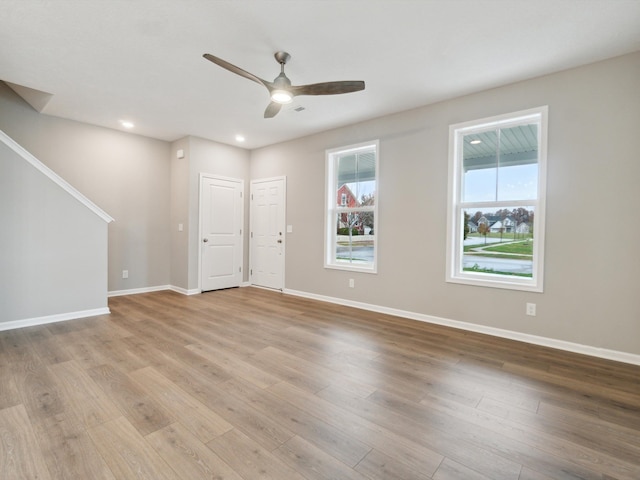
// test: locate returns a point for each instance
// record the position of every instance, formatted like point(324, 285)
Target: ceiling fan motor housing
point(282, 57)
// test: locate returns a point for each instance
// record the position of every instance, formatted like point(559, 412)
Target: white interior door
point(221, 218)
point(268, 232)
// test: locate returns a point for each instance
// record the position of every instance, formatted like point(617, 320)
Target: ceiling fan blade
point(272, 110)
point(328, 88)
point(282, 90)
point(237, 70)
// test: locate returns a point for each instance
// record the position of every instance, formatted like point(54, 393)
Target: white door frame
point(227, 179)
point(284, 214)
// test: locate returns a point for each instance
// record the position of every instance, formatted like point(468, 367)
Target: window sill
point(525, 286)
point(352, 268)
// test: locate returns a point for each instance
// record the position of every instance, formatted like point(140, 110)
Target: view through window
point(497, 201)
point(351, 207)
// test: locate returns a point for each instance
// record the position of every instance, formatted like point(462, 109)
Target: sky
point(514, 183)
point(518, 182)
point(362, 188)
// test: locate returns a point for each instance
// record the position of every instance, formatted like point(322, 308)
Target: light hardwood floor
point(253, 384)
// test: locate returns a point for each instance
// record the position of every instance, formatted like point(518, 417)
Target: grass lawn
point(497, 255)
point(491, 270)
point(520, 248)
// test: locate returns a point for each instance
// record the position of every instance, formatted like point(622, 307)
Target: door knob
point(205, 240)
point(279, 240)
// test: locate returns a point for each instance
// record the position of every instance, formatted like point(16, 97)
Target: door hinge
point(251, 272)
point(251, 234)
point(240, 269)
point(252, 196)
point(240, 194)
point(240, 231)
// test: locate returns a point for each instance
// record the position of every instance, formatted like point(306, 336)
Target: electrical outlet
point(125, 273)
point(531, 309)
point(352, 283)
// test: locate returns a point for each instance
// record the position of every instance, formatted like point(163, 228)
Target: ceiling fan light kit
point(281, 96)
point(281, 91)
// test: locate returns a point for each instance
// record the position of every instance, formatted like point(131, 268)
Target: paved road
point(498, 264)
point(358, 252)
point(365, 254)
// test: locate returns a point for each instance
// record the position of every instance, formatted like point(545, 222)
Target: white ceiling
point(141, 60)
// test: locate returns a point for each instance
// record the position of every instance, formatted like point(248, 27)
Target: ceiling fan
point(282, 91)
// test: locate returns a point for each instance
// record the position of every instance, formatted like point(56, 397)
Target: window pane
point(365, 184)
point(355, 237)
point(480, 164)
point(352, 197)
point(356, 177)
point(498, 187)
point(498, 241)
point(518, 163)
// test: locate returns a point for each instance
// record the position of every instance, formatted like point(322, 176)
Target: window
point(351, 207)
point(496, 201)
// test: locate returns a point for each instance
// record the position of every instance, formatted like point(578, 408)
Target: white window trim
point(332, 210)
point(455, 206)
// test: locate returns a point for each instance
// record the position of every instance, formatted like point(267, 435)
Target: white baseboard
point(135, 291)
point(60, 317)
point(269, 289)
point(184, 291)
point(173, 288)
point(158, 288)
point(615, 355)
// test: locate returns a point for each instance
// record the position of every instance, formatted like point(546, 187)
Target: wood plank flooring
point(246, 384)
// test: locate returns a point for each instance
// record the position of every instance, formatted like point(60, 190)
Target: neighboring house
point(473, 228)
point(505, 226)
point(346, 198)
point(497, 224)
point(484, 221)
point(523, 228)
point(497, 227)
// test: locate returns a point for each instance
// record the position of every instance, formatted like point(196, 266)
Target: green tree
point(366, 217)
point(467, 217)
point(483, 229)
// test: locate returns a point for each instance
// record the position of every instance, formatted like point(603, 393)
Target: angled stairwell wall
point(53, 244)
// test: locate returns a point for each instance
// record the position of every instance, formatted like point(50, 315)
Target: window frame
point(456, 207)
point(332, 210)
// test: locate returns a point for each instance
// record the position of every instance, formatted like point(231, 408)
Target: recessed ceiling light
point(240, 138)
point(126, 124)
point(475, 142)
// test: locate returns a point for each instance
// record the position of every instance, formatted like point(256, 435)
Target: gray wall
point(53, 249)
point(216, 159)
point(180, 214)
point(137, 180)
point(592, 260)
point(126, 175)
point(200, 156)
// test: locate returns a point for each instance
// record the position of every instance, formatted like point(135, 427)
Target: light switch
point(289, 228)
